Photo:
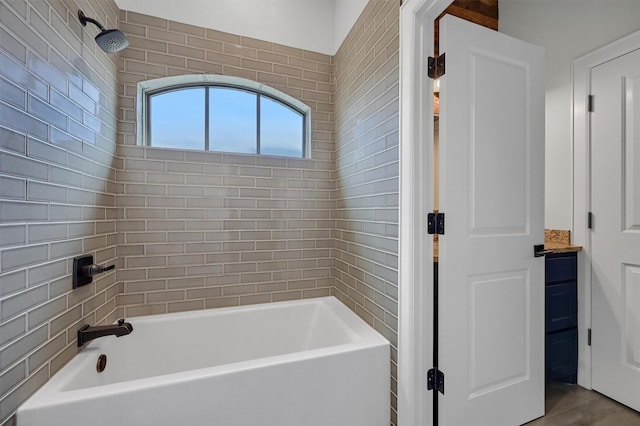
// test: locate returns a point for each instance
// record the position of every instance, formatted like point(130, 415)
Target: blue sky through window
point(281, 129)
point(232, 120)
point(178, 119)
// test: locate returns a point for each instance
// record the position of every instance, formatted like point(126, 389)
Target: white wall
point(317, 25)
point(567, 29)
point(345, 14)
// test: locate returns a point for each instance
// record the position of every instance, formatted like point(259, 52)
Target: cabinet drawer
point(562, 355)
point(561, 267)
point(562, 309)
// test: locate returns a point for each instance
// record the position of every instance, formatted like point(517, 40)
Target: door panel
point(615, 263)
point(491, 303)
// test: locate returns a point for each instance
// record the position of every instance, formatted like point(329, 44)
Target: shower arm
point(84, 20)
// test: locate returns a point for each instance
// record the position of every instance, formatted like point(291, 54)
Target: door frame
point(581, 174)
point(415, 338)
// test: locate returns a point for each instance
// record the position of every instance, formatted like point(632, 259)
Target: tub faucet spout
point(88, 333)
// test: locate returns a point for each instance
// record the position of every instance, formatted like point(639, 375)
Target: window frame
point(149, 88)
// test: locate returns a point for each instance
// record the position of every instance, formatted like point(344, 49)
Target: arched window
point(223, 114)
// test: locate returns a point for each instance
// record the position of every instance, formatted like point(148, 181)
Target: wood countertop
point(558, 241)
point(561, 248)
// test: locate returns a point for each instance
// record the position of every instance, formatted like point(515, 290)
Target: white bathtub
point(301, 363)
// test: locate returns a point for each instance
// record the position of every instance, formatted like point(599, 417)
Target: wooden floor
point(574, 405)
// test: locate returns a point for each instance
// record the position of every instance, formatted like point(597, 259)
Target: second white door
point(615, 203)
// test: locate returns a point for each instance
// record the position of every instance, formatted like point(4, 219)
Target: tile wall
point(57, 186)
point(201, 230)
point(366, 174)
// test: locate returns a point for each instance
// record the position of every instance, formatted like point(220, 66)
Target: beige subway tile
point(126, 250)
point(208, 203)
point(177, 283)
point(145, 189)
point(163, 59)
point(240, 72)
point(134, 29)
point(185, 214)
point(185, 167)
point(165, 202)
point(144, 286)
point(165, 225)
point(204, 43)
point(145, 68)
point(286, 295)
point(317, 57)
point(163, 35)
point(190, 305)
point(144, 165)
point(316, 292)
point(224, 59)
point(165, 296)
point(152, 249)
point(145, 20)
point(257, 44)
point(222, 302)
point(131, 274)
point(166, 272)
point(130, 299)
point(254, 299)
point(174, 237)
point(203, 180)
point(222, 280)
point(286, 50)
point(271, 287)
point(191, 259)
point(206, 270)
point(142, 213)
point(223, 258)
point(239, 181)
point(232, 290)
point(211, 223)
point(185, 190)
point(272, 266)
point(204, 293)
point(202, 66)
point(222, 36)
point(256, 65)
point(290, 71)
point(136, 311)
point(142, 43)
point(239, 268)
point(271, 245)
point(145, 237)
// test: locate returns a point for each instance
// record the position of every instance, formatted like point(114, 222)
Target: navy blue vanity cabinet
point(561, 274)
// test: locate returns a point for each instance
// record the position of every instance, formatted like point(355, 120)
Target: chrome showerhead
point(111, 41)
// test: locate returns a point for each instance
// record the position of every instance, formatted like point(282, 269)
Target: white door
point(491, 304)
point(615, 203)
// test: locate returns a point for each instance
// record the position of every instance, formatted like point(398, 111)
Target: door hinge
point(435, 380)
point(435, 223)
point(590, 220)
point(590, 103)
point(435, 66)
point(589, 337)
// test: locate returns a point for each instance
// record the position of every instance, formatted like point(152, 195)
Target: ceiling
point(317, 25)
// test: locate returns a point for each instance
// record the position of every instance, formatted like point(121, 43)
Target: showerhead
point(111, 41)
